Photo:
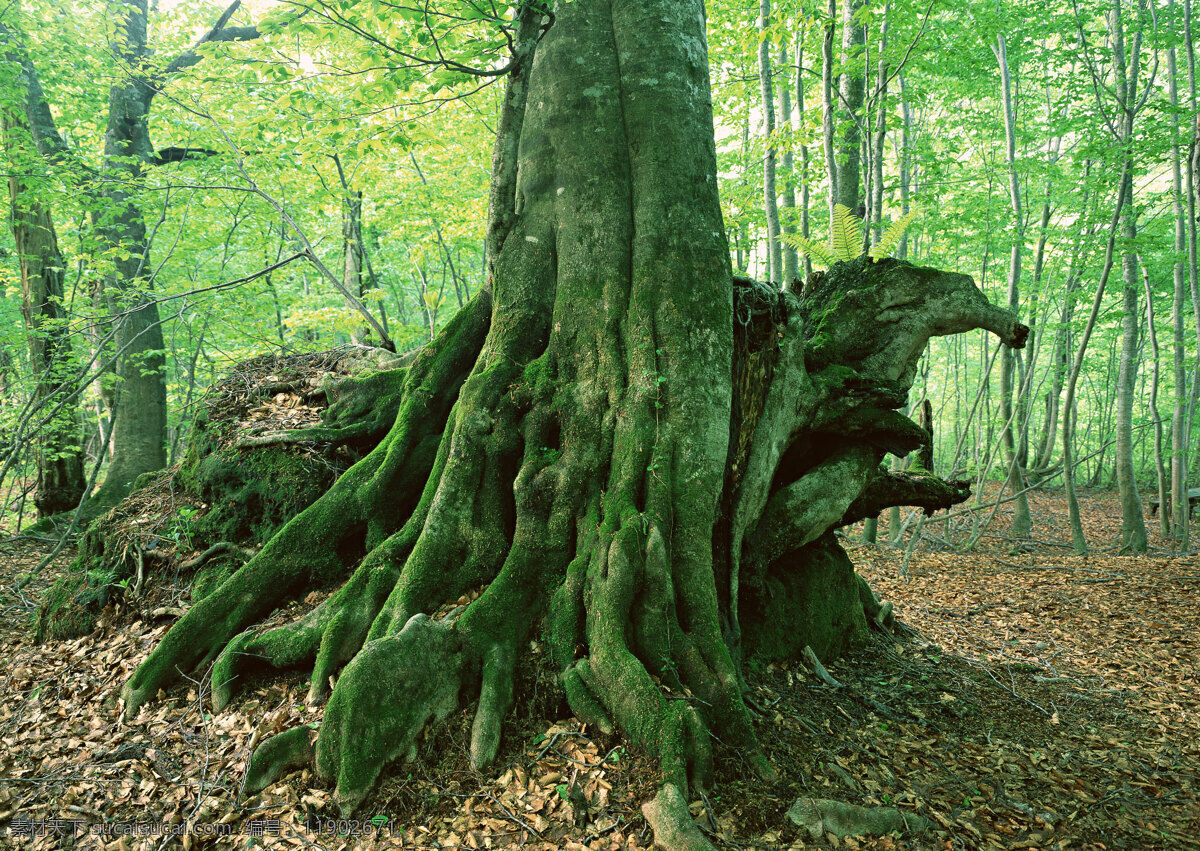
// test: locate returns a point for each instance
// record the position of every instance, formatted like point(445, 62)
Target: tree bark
point(139, 414)
point(791, 257)
point(851, 91)
point(1015, 476)
point(875, 214)
point(799, 132)
point(61, 480)
point(1068, 415)
point(828, 108)
point(1062, 339)
point(1133, 526)
point(139, 402)
point(1178, 504)
point(770, 200)
point(1160, 471)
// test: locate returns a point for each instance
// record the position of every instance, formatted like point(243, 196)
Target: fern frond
point(810, 248)
point(892, 236)
point(846, 238)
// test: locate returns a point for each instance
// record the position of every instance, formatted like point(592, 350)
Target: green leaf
point(892, 236)
point(810, 248)
point(846, 238)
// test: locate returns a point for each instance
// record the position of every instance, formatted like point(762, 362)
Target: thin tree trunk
point(828, 114)
point(1045, 446)
point(437, 229)
point(1193, 203)
point(1080, 542)
point(854, 37)
point(880, 134)
point(791, 257)
point(875, 189)
point(1160, 471)
point(1179, 449)
point(770, 202)
point(1021, 526)
point(1133, 526)
point(352, 259)
point(906, 141)
point(893, 514)
point(799, 132)
point(355, 257)
point(1062, 342)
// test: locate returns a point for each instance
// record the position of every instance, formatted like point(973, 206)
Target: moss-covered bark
point(609, 444)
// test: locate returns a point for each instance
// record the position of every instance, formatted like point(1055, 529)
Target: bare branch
point(220, 32)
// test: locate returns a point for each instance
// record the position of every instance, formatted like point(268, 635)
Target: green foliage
point(846, 234)
point(847, 239)
point(385, 91)
point(892, 236)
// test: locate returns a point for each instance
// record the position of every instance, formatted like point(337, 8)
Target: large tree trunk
point(138, 403)
point(619, 445)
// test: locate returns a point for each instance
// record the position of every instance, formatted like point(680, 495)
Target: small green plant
point(179, 529)
point(100, 577)
point(847, 241)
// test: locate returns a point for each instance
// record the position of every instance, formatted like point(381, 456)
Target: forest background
point(305, 175)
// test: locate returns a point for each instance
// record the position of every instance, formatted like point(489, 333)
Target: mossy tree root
point(324, 541)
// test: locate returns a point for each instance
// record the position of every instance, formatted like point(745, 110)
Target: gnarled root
point(321, 544)
point(879, 614)
point(674, 829)
point(385, 697)
point(277, 756)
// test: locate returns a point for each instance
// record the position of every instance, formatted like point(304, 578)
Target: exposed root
point(218, 549)
point(288, 751)
point(288, 646)
point(879, 614)
point(321, 544)
point(673, 827)
point(495, 699)
point(821, 816)
point(303, 436)
point(810, 658)
point(387, 694)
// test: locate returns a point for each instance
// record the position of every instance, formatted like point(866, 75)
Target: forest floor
point(1031, 699)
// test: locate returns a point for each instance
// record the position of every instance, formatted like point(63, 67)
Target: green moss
point(368, 402)
point(809, 597)
point(143, 480)
point(253, 492)
point(73, 605)
point(212, 575)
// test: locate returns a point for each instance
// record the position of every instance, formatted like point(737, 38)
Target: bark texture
point(61, 480)
point(619, 445)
